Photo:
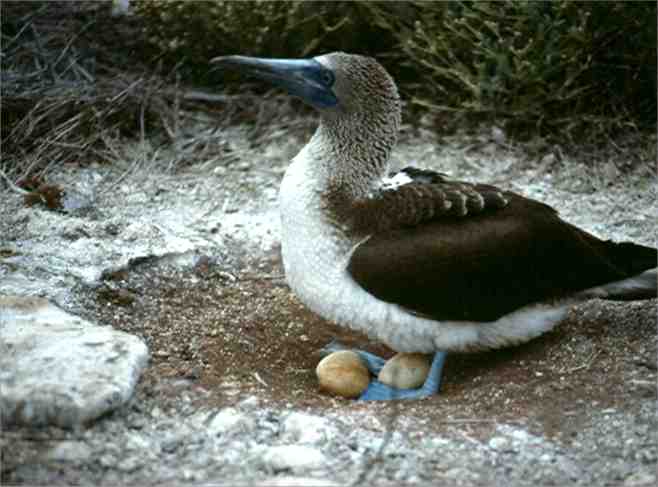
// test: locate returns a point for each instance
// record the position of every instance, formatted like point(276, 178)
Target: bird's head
point(336, 83)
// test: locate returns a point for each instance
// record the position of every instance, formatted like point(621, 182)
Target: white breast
point(314, 249)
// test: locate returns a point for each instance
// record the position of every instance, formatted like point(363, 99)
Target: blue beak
point(304, 78)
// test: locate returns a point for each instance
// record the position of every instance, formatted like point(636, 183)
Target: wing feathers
point(486, 265)
point(411, 197)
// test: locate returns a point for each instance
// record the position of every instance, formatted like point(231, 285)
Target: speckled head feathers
point(362, 85)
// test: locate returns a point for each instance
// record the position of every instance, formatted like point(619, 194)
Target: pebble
point(69, 451)
point(522, 436)
point(405, 371)
point(250, 402)
point(129, 464)
point(640, 478)
point(499, 443)
point(228, 420)
point(343, 373)
point(548, 160)
point(287, 481)
point(293, 457)
point(305, 428)
point(497, 135)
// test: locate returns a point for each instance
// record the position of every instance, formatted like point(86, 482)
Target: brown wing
point(487, 265)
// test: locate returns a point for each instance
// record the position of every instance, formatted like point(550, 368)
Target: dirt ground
point(175, 240)
point(224, 326)
point(217, 326)
point(253, 335)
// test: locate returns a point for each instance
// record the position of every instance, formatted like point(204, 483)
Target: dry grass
point(69, 98)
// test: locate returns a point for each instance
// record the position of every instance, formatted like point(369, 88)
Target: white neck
point(350, 154)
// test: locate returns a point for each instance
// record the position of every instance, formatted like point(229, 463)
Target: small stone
point(304, 428)
point(640, 478)
point(548, 160)
point(69, 451)
point(456, 473)
point(343, 373)
point(295, 482)
point(137, 442)
point(129, 464)
point(497, 135)
point(228, 420)
point(499, 443)
point(108, 460)
point(293, 457)
point(521, 435)
point(250, 402)
point(405, 371)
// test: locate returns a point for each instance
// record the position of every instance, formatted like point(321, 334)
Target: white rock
point(129, 464)
point(294, 482)
point(229, 420)
point(499, 443)
point(640, 478)
point(548, 160)
point(250, 402)
point(456, 473)
point(120, 7)
point(293, 457)
point(137, 442)
point(305, 428)
point(497, 135)
point(56, 368)
point(522, 436)
point(69, 451)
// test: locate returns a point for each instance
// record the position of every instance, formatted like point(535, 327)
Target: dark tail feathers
point(634, 259)
point(638, 263)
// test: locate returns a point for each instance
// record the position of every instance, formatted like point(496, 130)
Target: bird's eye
point(327, 78)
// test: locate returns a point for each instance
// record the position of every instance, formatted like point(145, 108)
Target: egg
point(405, 371)
point(343, 373)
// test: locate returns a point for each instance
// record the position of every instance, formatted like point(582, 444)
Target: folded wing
point(482, 265)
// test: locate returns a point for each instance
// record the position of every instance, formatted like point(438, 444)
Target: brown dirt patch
point(220, 334)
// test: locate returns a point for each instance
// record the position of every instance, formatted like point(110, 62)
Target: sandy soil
point(222, 325)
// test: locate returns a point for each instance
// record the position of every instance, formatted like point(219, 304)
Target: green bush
point(557, 65)
point(192, 32)
point(537, 66)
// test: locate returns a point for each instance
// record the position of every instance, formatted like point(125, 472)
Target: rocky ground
point(188, 262)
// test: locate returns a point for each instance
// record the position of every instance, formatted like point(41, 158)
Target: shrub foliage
point(193, 32)
point(560, 64)
point(552, 65)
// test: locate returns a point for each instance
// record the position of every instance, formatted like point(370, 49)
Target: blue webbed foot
point(377, 391)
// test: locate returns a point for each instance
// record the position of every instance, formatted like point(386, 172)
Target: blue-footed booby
point(416, 260)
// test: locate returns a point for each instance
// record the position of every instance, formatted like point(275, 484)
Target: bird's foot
point(378, 391)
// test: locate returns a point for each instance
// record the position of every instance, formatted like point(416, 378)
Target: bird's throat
point(352, 159)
